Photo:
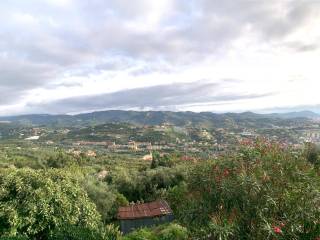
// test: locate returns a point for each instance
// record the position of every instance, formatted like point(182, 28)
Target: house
point(144, 215)
point(147, 157)
point(102, 174)
point(133, 146)
point(91, 153)
point(33, 138)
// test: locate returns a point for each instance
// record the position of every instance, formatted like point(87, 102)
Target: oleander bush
point(263, 192)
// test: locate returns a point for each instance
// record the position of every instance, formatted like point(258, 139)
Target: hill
point(301, 114)
point(202, 119)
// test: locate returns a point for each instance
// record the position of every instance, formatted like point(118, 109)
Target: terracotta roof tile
point(144, 210)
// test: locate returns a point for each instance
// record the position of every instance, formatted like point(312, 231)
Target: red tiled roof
point(144, 210)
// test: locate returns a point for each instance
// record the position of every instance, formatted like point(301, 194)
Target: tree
point(59, 160)
point(155, 159)
point(160, 161)
point(106, 199)
point(36, 202)
point(312, 154)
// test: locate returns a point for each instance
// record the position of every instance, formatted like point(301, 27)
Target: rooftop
point(144, 210)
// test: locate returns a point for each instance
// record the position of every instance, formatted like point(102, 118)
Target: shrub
point(263, 192)
point(147, 184)
point(160, 161)
point(79, 233)
point(35, 202)
point(75, 233)
point(59, 160)
point(14, 238)
point(111, 232)
point(312, 154)
point(142, 234)
point(106, 199)
point(173, 232)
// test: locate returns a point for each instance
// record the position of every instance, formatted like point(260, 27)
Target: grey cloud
point(8, 96)
point(94, 29)
point(18, 77)
point(154, 97)
point(302, 47)
point(92, 36)
point(63, 84)
point(271, 18)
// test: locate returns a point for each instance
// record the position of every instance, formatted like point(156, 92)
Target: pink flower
point(277, 230)
point(226, 173)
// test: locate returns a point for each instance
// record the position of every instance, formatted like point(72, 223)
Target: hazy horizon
point(106, 110)
point(67, 56)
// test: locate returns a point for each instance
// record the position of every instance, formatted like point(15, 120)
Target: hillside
point(202, 119)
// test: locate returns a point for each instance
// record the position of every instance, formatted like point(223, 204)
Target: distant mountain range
point(207, 119)
point(301, 114)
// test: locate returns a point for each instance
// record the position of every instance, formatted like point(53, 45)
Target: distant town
point(191, 141)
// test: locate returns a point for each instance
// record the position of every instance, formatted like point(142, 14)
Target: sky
point(74, 56)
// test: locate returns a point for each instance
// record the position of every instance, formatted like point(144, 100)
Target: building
point(147, 157)
point(91, 153)
point(144, 215)
point(133, 146)
point(311, 135)
point(102, 174)
point(33, 138)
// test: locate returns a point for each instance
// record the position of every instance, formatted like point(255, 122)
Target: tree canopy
point(35, 202)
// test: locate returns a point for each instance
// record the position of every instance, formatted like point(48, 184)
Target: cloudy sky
point(71, 56)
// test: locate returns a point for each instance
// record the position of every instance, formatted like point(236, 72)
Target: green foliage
point(35, 202)
point(160, 161)
point(14, 238)
point(75, 233)
point(59, 160)
point(171, 231)
point(110, 232)
point(141, 234)
point(146, 185)
point(70, 232)
point(312, 154)
point(264, 192)
point(106, 199)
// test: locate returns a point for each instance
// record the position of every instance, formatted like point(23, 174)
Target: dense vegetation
point(204, 119)
point(35, 202)
point(264, 191)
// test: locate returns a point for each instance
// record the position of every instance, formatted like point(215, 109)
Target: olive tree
point(36, 202)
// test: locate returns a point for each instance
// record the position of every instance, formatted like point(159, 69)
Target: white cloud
point(55, 50)
point(60, 3)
